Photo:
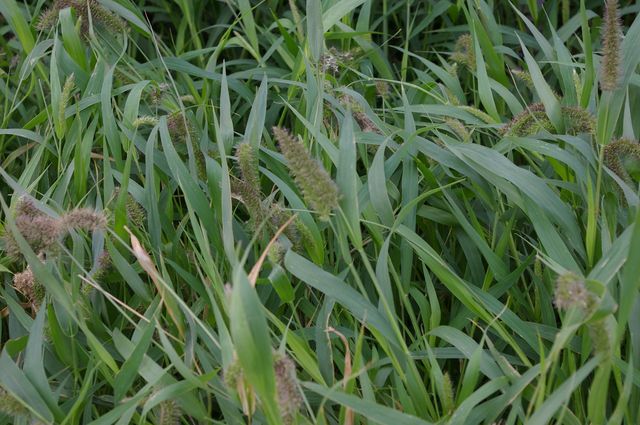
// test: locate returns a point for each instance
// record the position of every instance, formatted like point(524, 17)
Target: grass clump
point(319, 212)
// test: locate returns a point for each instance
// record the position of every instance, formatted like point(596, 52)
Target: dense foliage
point(319, 212)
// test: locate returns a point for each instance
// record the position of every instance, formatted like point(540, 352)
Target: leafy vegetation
point(319, 212)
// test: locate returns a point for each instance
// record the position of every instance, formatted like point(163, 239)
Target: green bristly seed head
point(316, 184)
point(464, 53)
point(180, 127)
point(458, 129)
point(523, 76)
point(534, 120)
point(65, 96)
point(248, 163)
point(602, 333)
point(145, 120)
point(169, 413)
point(617, 153)
point(83, 8)
point(448, 397)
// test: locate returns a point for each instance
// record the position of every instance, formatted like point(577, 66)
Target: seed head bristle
point(158, 92)
point(578, 120)
point(26, 207)
point(531, 121)
point(136, 214)
point(103, 265)
point(48, 17)
point(332, 58)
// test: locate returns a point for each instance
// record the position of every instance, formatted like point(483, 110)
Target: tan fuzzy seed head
point(571, 292)
point(84, 219)
point(611, 45)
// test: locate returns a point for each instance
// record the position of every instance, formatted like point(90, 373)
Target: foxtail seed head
point(523, 76)
point(235, 380)
point(65, 96)
point(135, 212)
point(611, 36)
point(448, 397)
point(248, 163)
point(145, 120)
point(601, 334)
point(463, 52)
point(365, 123)
point(10, 406)
point(314, 181)
point(534, 120)
point(289, 396)
point(39, 230)
point(616, 152)
point(169, 413)
point(84, 9)
point(26, 283)
point(180, 127)
point(382, 88)
point(458, 128)
point(84, 219)
point(571, 291)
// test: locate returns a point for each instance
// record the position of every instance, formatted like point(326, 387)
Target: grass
point(319, 212)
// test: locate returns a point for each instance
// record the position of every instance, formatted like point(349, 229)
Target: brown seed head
point(289, 396)
point(611, 40)
point(84, 219)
